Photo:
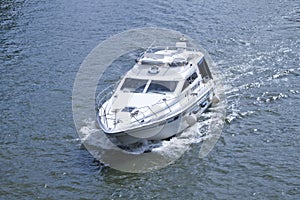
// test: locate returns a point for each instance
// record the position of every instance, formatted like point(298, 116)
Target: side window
point(204, 70)
point(189, 80)
point(192, 77)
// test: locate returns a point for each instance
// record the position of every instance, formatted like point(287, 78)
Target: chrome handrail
point(144, 111)
point(104, 92)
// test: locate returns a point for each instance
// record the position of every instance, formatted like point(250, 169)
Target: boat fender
point(215, 99)
point(191, 119)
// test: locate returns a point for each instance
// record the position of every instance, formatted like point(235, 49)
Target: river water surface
point(255, 44)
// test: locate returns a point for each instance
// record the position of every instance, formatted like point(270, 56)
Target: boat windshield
point(162, 86)
point(134, 85)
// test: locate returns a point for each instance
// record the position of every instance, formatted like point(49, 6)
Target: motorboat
point(163, 94)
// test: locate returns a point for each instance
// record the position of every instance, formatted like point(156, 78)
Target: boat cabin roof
point(165, 65)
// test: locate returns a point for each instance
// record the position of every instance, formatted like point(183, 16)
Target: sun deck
point(165, 65)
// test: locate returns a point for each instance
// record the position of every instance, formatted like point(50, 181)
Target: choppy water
point(256, 46)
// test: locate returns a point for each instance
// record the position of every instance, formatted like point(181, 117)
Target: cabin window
point(204, 70)
point(162, 86)
point(134, 85)
point(189, 80)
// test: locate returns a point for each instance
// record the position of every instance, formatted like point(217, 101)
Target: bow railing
point(145, 114)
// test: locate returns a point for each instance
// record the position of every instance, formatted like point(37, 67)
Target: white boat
point(159, 97)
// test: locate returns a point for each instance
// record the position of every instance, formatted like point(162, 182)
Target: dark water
point(254, 43)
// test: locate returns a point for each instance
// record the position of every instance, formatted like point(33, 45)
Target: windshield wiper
point(157, 92)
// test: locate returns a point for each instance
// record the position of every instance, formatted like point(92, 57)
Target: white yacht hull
point(165, 128)
point(155, 131)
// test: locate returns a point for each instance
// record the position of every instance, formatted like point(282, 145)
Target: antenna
point(182, 44)
point(183, 39)
point(150, 47)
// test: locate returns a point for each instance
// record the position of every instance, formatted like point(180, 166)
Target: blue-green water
point(254, 43)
